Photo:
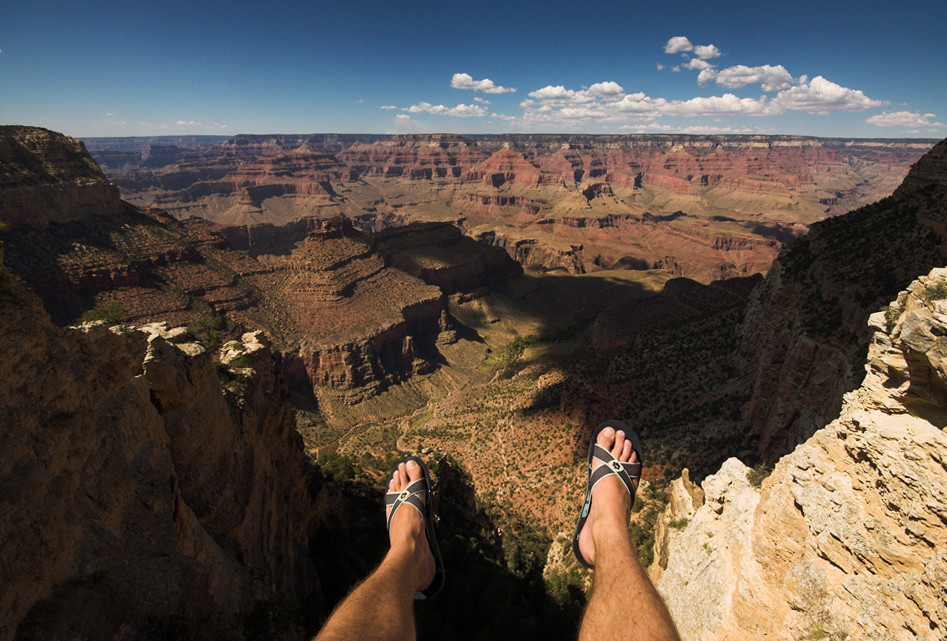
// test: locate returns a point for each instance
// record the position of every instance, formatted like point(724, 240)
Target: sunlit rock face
point(703, 207)
point(846, 538)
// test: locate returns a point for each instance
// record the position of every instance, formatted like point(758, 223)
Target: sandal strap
point(627, 472)
point(413, 495)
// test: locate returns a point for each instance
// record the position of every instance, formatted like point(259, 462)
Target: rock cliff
point(146, 487)
point(46, 177)
point(846, 538)
point(805, 334)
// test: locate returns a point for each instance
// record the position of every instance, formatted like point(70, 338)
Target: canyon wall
point(804, 334)
point(32, 160)
point(846, 538)
point(146, 482)
point(704, 207)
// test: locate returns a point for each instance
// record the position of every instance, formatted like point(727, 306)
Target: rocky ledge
point(846, 538)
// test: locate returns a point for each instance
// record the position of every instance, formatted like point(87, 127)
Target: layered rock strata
point(846, 538)
point(741, 196)
point(144, 485)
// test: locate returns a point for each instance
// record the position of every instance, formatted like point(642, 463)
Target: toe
point(413, 471)
point(619, 444)
point(626, 451)
point(606, 438)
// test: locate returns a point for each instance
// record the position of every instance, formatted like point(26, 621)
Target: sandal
point(627, 472)
point(418, 496)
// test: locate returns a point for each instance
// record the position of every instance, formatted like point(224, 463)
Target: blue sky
point(828, 68)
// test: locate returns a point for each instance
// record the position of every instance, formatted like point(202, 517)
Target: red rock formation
point(759, 183)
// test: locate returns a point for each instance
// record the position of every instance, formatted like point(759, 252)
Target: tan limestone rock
point(846, 539)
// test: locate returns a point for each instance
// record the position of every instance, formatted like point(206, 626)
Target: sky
point(833, 68)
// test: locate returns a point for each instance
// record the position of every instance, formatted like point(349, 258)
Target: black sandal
point(627, 472)
point(418, 496)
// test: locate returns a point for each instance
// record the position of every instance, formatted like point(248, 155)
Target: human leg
point(381, 608)
point(624, 604)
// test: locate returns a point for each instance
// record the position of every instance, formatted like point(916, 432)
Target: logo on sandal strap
point(404, 495)
point(616, 465)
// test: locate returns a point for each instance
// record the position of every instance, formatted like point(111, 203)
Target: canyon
point(703, 207)
point(362, 292)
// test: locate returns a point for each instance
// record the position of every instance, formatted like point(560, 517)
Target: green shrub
point(757, 473)
point(891, 316)
point(935, 291)
point(112, 312)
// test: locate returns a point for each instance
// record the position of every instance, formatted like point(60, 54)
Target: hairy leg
point(381, 608)
point(624, 604)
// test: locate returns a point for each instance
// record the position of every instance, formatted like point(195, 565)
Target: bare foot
point(611, 502)
point(406, 534)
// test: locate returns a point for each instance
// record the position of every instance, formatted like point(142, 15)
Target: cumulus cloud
point(466, 81)
point(460, 111)
point(772, 78)
point(706, 52)
point(482, 101)
point(186, 122)
point(678, 44)
point(822, 96)
point(402, 117)
point(607, 89)
point(388, 107)
point(903, 119)
point(660, 67)
point(697, 64)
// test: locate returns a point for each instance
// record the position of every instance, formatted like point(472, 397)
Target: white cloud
point(460, 111)
point(706, 52)
point(109, 113)
point(738, 76)
point(725, 105)
point(482, 101)
point(360, 101)
point(607, 89)
point(697, 63)
point(466, 81)
point(694, 129)
point(503, 117)
point(186, 122)
point(660, 67)
point(678, 44)
point(903, 119)
point(822, 96)
point(402, 117)
point(549, 93)
point(388, 107)
point(117, 122)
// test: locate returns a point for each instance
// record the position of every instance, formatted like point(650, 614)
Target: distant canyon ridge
point(703, 207)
